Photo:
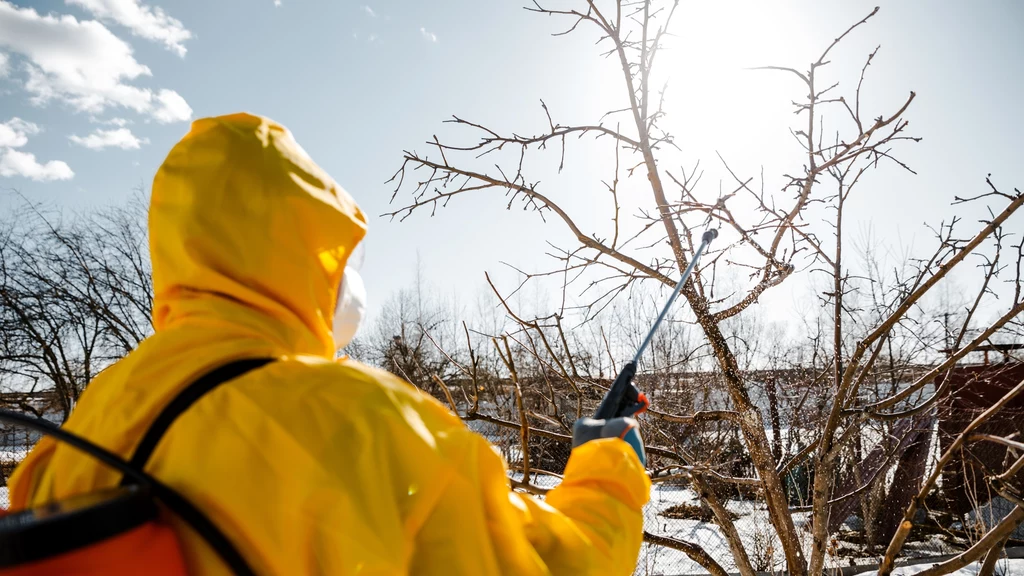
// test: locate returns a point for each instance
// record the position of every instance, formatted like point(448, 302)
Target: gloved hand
point(587, 429)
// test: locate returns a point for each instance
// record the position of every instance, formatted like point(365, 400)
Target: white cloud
point(369, 11)
point(4, 66)
point(372, 38)
point(117, 138)
point(428, 35)
point(149, 22)
point(14, 133)
point(81, 63)
point(277, 3)
point(111, 121)
point(17, 163)
point(171, 107)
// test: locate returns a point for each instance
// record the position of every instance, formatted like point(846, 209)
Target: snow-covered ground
point(657, 560)
point(9, 456)
point(1005, 567)
point(15, 455)
point(760, 541)
point(754, 530)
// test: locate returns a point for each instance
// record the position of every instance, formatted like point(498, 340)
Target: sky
point(93, 94)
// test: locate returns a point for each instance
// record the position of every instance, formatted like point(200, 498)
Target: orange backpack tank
point(121, 530)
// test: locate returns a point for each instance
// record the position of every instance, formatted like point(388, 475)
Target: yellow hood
point(241, 215)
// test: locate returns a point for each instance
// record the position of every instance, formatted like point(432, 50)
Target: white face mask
point(351, 307)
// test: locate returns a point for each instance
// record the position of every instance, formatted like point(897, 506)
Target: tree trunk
point(752, 427)
point(988, 568)
point(728, 528)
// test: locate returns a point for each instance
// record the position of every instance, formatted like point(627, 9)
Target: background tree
point(75, 295)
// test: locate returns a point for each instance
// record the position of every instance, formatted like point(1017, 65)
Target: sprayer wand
point(623, 398)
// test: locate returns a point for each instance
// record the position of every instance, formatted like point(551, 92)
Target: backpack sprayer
point(623, 398)
point(120, 530)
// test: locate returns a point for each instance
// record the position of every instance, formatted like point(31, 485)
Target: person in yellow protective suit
point(311, 465)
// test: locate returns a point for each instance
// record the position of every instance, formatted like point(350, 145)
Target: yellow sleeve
point(603, 494)
point(591, 524)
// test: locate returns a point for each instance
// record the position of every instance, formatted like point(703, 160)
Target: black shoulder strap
point(186, 398)
point(174, 501)
point(134, 472)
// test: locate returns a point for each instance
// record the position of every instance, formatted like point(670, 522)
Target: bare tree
point(75, 295)
point(769, 234)
point(409, 332)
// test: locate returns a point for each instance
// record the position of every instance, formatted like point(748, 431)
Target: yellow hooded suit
point(308, 465)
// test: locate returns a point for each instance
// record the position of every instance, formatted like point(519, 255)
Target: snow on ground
point(13, 455)
point(656, 560)
point(753, 527)
point(1005, 567)
point(538, 480)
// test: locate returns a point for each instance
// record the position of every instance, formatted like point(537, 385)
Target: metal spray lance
point(623, 398)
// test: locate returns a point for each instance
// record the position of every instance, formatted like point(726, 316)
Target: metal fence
point(15, 444)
